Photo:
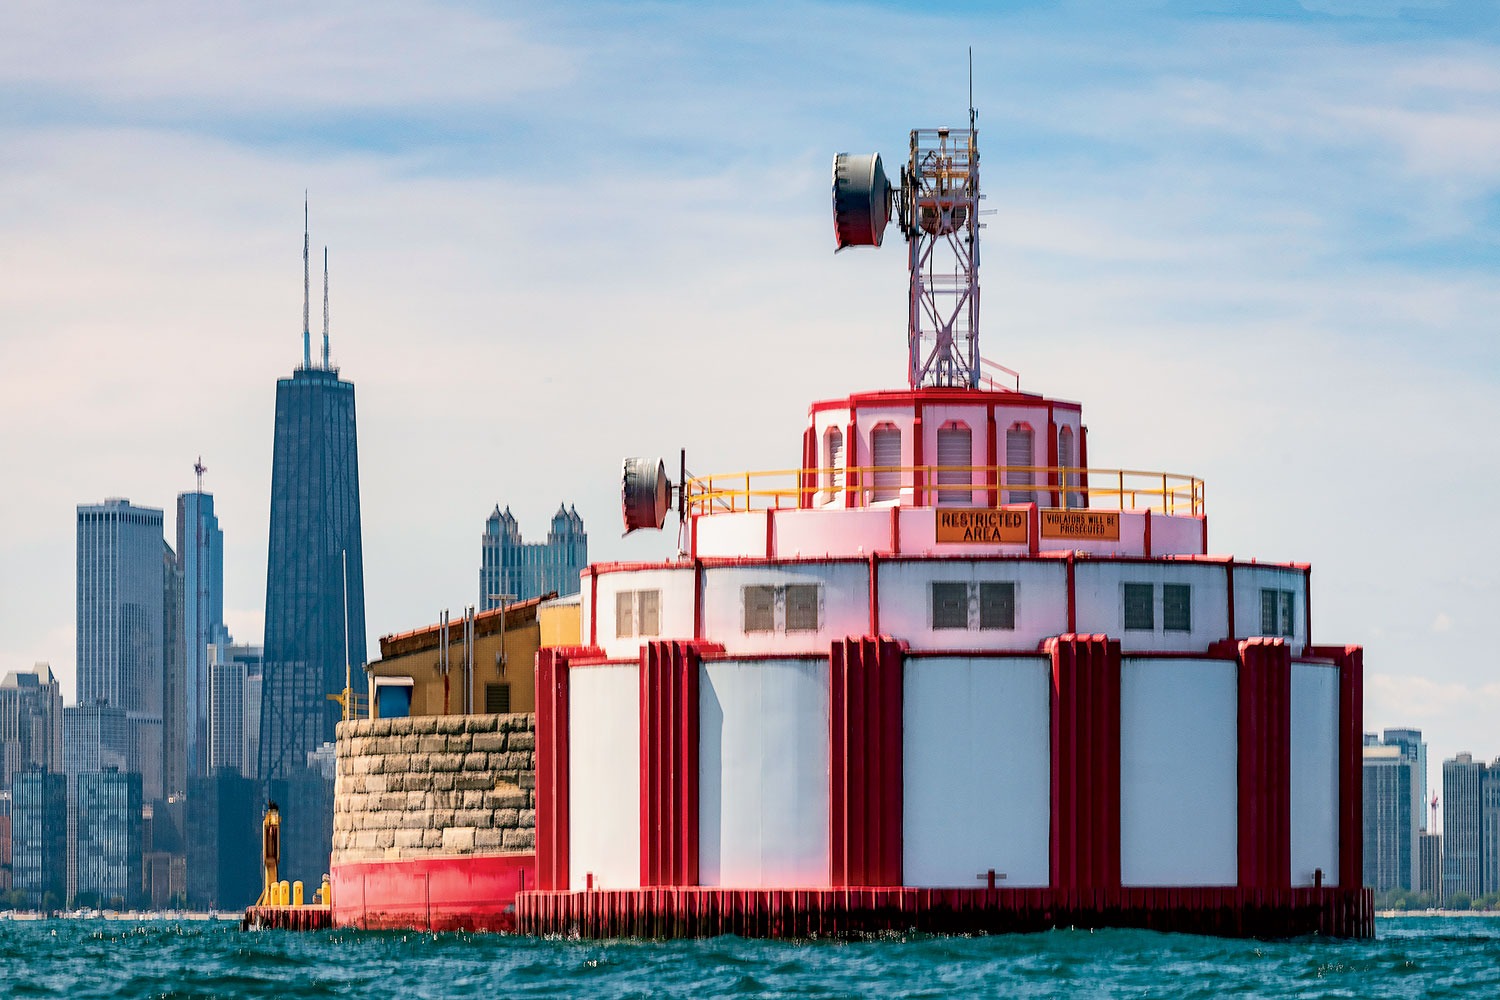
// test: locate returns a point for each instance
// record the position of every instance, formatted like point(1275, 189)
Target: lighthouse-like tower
point(946, 675)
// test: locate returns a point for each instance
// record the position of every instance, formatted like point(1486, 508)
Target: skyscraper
point(234, 674)
point(200, 556)
point(315, 600)
point(109, 845)
point(523, 570)
point(30, 722)
point(1411, 743)
point(39, 837)
point(121, 617)
point(1392, 817)
point(1462, 826)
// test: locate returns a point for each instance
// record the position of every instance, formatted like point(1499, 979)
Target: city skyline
point(1281, 226)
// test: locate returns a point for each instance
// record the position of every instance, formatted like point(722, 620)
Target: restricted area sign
point(1081, 525)
point(981, 525)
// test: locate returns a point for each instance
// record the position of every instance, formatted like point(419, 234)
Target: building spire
point(306, 289)
point(325, 308)
point(199, 468)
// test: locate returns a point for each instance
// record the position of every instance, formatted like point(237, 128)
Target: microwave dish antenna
point(937, 208)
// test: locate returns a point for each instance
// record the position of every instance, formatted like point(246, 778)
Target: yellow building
point(480, 665)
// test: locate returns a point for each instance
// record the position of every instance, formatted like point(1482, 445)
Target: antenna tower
point(938, 209)
point(306, 290)
point(199, 469)
point(325, 307)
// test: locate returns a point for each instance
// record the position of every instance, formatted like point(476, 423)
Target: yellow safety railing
point(930, 485)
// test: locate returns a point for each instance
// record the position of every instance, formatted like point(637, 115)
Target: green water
point(1411, 957)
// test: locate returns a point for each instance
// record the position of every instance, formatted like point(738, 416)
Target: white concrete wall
point(1178, 772)
point(844, 605)
point(859, 531)
point(1101, 603)
point(763, 773)
point(730, 535)
point(676, 607)
point(905, 595)
point(1248, 583)
point(1176, 536)
point(1315, 773)
point(604, 776)
point(977, 771)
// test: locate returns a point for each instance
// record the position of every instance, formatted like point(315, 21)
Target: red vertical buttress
point(552, 766)
point(865, 761)
point(669, 761)
point(1085, 761)
point(1351, 663)
point(1265, 765)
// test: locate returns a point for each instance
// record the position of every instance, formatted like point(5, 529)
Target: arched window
point(955, 455)
point(1065, 459)
point(885, 456)
point(833, 462)
point(1018, 459)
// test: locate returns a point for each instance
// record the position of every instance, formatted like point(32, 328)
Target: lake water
point(1410, 957)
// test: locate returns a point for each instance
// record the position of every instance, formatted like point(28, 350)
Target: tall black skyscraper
point(315, 595)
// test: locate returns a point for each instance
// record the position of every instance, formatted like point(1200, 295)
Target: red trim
point(1033, 530)
point(865, 762)
point(939, 396)
point(1229, 590)
point(1307, 613)
point(851, 461)
point(1204, 520)
point(669, 761)
point(874, 594)
point(895, 529)
point(716, 562)
point(1083, 460)
point(1072, 593)
point(770, 533)
point(593, 572)
point(1085, 761)
point(990, 458)
point(1146, 543)
point(1350, 661)
point(697, 599)
point(809, 467)
point(446, 893)
point(1052, 457)
point(918, 449)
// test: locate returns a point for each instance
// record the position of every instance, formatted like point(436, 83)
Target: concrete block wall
point(434, 785)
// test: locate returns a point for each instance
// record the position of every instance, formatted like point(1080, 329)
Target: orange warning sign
point(982, 525)
point(1085, 525)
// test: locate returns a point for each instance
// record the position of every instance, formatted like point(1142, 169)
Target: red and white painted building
point(946, 675)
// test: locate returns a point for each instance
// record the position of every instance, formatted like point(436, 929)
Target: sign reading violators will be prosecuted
point(994, 526)
point(1082, 525)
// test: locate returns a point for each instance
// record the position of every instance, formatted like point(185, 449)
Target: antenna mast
point(325, 307)
point(199, 469)
point(306, 290)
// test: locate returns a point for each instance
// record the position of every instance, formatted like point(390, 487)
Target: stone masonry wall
point(447, 784)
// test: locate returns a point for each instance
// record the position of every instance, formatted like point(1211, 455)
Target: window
point(997, 605)
point(1278, 612)
point(801, 607)
point(637, 613)
point(1139, 607)
point(760, 609)
point(789, 607)
point(1018, 457)
point(496, 699)
point(885, 454)
point(950, 605)
point(1176, 607)
point(955, 455)
point(954, 604)
point(833, 461)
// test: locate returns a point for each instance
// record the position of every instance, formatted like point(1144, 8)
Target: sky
point(1257, 241)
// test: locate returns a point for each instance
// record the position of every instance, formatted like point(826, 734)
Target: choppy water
point(1411, 957)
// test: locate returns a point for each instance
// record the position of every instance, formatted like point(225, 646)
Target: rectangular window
point(496, 699)
point(997, 605)
point(950, 605)
point(760, 609)
point(1176, 607)
point(801, 607)
point(648, 612)
point(1277, 612)
point(1139, 607)
point(637, 612)
point(624, 614)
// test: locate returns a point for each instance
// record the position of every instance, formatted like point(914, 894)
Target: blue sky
point(1258, 241)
